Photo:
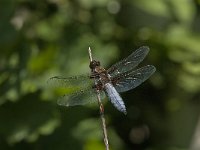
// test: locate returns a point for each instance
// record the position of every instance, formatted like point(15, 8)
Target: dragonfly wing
point(81, 81)
point(81, 97)
point(130, 62)
point(76, 90)
point(132, 79)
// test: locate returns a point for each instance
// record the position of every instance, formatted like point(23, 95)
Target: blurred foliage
point(40, 39)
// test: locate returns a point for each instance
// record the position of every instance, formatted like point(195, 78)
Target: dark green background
point(44, 38)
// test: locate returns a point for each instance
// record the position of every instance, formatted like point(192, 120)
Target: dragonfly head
point(94, 64)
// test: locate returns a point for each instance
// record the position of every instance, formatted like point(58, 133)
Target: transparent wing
point(81, 81)
point(132, 79)
point(75, 90)
point(130, 62)
point(80, 97)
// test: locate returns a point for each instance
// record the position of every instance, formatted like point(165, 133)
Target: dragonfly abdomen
point(115, 98)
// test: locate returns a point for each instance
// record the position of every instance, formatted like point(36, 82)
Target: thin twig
point(90, 54)
point(101, 108)
point(195, 143)
point(103, 121)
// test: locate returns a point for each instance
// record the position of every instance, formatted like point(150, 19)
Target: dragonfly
point(120, 77)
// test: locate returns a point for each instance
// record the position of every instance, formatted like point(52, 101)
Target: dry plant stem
point(90, 54)
point(101, 109)
point(103, 121)
point(195, 143)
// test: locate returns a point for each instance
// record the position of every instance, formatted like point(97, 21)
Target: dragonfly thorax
point(99, 74)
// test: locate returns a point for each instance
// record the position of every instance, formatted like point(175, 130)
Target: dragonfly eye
point(94, 64)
